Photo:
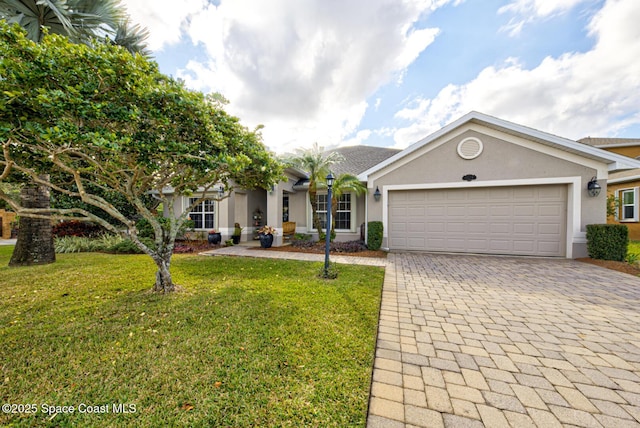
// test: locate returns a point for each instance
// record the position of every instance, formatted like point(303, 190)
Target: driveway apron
point(472, 341)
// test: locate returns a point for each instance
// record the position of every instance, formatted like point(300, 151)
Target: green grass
point(633, 247)
point(246, 342)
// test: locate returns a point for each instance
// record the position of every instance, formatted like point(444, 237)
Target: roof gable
point(612, 160)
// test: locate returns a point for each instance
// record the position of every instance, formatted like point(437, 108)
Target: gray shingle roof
point(609, 142)
point(358, 159)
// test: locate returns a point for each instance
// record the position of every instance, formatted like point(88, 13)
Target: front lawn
point(246, 342)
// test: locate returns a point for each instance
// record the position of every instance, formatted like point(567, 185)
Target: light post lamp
point(329, 179)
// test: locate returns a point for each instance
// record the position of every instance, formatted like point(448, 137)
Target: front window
point(202, 214)
point(343, 213)
point(628, 210)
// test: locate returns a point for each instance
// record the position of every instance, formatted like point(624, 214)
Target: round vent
point(470, 148)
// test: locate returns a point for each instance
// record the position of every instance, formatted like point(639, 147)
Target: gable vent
point(470, 148)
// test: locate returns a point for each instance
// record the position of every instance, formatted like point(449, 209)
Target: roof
point(614, 161)
point(358, 159)
point(610, 142)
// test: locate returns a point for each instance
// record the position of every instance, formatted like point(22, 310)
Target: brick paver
point(504, 341)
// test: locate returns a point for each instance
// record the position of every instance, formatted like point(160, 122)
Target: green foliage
point(607, 241)
point(269, 346)
point(322, 236)
point(83, 244)
point(612, 205)
point(77, 228)
point(374, 235)
point(107, 127)
point(632, 258)
point(302, 237)
point(331, 272)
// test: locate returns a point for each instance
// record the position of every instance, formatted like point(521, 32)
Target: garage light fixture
point(593, 187)
point(377, 194)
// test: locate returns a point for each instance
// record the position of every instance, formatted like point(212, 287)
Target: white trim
point(354, 213)
point(623, 179)
point(613, 161)
point(473, 156)
point(636, 205)
point(574, 200)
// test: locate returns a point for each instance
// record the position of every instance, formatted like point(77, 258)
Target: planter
point(214, 238)
point(236, 239)
point(265, 240)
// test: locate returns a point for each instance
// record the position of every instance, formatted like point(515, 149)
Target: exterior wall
point(504, 158)
point(634, 227)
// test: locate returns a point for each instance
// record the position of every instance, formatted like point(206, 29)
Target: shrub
point(302, 243)
point(81, 244)
point(302, 237)
point(77, 228)
point(348, 247)
point(126, 246)
point(607, 241)
point(374, 235)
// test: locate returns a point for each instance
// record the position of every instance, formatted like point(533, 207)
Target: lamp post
point(329, 179)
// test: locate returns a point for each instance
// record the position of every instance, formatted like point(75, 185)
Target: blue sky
point(390, 72)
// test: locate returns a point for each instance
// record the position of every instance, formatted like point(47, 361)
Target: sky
point(388, 73)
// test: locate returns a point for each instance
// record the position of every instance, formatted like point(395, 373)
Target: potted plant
point(265, 235)
point(237, 233)
point(214, 237)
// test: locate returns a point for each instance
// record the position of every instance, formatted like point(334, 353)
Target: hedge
point(374, 235)
point(607, 241)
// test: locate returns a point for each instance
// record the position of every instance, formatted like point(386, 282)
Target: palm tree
point(343, 183)
point(316, 163)
point(82, 21)
point(79, 20)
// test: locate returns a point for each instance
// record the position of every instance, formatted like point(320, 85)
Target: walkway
point(247, 251)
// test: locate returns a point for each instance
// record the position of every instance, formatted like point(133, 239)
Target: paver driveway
point(469, 341)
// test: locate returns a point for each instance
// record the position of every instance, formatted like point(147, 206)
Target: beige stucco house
point(478, 185)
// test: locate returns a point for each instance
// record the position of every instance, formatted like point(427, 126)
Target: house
point(478, 185)
point(622, 185)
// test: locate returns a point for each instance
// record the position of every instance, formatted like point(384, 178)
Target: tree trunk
point(164, 283)
point(35, 236)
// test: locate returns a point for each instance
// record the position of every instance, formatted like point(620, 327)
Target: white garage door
point(522, 220)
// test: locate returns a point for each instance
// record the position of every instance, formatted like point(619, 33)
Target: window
point(628, 210)
point(285, 207)
point(343, 213)
point(203, 214)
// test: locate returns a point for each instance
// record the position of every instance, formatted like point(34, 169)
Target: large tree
point(316, 163)
point(99, 117)
point(82, 21)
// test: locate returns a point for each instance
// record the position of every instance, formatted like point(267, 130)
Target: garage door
point(521, 220)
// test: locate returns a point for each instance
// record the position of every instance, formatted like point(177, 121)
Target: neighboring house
point(623, 185)
point(478, 185)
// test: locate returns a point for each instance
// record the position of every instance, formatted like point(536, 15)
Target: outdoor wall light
point(593, 187)
point(377, 194)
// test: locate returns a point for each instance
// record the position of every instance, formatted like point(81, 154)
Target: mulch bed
point(613, 265)
point(319, 249)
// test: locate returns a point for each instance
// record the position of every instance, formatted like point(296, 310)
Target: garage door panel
point(524, 220)
point(497, 228)
point(524, 228)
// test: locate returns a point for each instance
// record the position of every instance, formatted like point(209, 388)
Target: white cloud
point(574, 95)
point(527, 11)
point(305, 68)
point(163, 18)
